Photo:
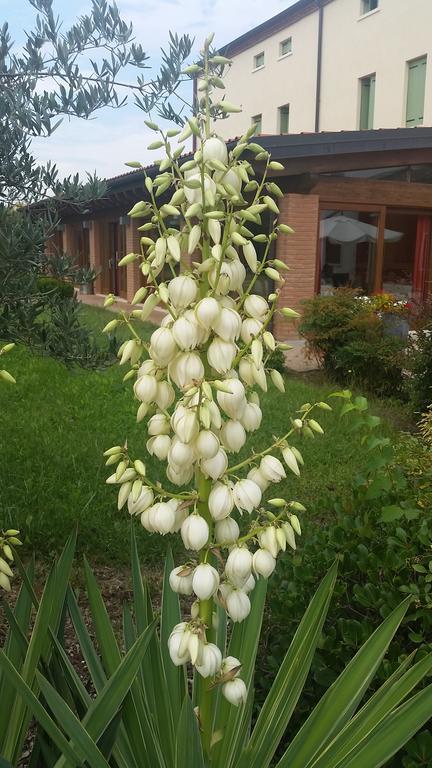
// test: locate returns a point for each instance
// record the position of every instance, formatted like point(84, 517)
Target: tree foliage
point(68, 72)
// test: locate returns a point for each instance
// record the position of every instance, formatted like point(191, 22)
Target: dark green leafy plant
point(55, 287)
point(421, 371)
point(349, 338)
point(382, 534)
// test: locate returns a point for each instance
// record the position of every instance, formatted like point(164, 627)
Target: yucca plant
point(182, 696)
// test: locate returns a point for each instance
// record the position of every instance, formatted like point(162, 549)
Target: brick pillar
point(95, 253)
point(298, 251)
point(70, 244)
point(134, 279)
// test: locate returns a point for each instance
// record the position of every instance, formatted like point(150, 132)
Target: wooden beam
point(396, 194)
point(380, 252)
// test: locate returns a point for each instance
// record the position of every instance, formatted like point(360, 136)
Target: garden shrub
point(346, 333)
point(382, 535)
point(54, 286)
point(421, 371)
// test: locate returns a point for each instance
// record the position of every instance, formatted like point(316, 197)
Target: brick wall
point(134, 274)
point(298, 251)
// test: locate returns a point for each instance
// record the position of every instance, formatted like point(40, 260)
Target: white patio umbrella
point(344, 229)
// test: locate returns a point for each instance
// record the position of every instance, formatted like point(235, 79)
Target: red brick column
point(134, 275)
point(96, 245)
point(298, 251)
point(70, 244)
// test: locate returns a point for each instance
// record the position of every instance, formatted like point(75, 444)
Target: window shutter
point(416, 91)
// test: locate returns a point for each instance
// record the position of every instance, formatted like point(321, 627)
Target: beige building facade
point(330, 65)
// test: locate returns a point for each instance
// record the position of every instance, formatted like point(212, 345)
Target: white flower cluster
point(198, 387)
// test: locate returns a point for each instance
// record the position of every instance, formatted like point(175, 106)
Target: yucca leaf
point(288, 684)
point(170, 616)
point(339, 703)
point(46, 623)
point(375, 711)
point(83, 745)
point(103, 709)
point(31, 701)
point(188, 743)
point(393, 733)
point(233, 723)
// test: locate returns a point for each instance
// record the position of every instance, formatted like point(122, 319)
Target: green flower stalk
point(198, 383)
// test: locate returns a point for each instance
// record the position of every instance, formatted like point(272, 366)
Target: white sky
point(113, 137)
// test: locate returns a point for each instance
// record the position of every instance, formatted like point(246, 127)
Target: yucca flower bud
point(235, 691)
point(159, 446)
point(144, 500)
point(207, 444)
point(220, 501)
point(277, 380)
point(237, 604)
point(233, 402)
point(214, 148)
point(163, 347)
point(180, 580)
point(233, 436)
point(256, 306)
point(158, 425)
point(259, 377)
point(185, 424)
point(165, 395)
point(215, 467)
point(215, 230)
point(186, 369)
point(215, 415)
point(161, 517)
point(250, 254)
point(210, 661)
point(272, 469)
point(228, 324)
point(295, 522)
point(207, 311)
point(290, 460)
point(205, 581)
point(194, 238)
point(185, 334)
point(238, 566)
point(178, 644)
point(227, 531)
point(268, 540)
point(230, 666)
point(251, 328)
point(289, 535)
point(251, 417)
point(183, 291)
point(180, 455)
point(258, 478)
point(221, 354)
point(246, 370)
point(247, 495)
point(145, 388)
point(195, 532)
point(263, 563)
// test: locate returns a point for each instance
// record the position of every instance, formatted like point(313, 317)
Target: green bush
point(54, 286)
point(421, 372)
point(349, 337)
point(382, 535)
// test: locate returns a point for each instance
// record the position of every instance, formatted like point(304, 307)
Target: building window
point(367, 102)
point(416, 91)
point(258, 60)
point(368, 5)
point(284, 119)
point(257, 121)
point(285, 47)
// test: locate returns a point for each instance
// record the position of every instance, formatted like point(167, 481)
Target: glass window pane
point(284, 119)
point(285, 47)
point(399, 254)
point(257, 120)
point(258, 60)
point(367, 102)
point(348, 250)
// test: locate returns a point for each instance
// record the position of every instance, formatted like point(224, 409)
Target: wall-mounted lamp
point(87, 224)
point(60, 227)
point(123, 221)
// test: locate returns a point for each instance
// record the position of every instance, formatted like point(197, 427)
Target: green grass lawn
point(56, 422)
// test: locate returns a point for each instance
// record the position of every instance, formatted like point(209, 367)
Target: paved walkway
point(296, 358)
